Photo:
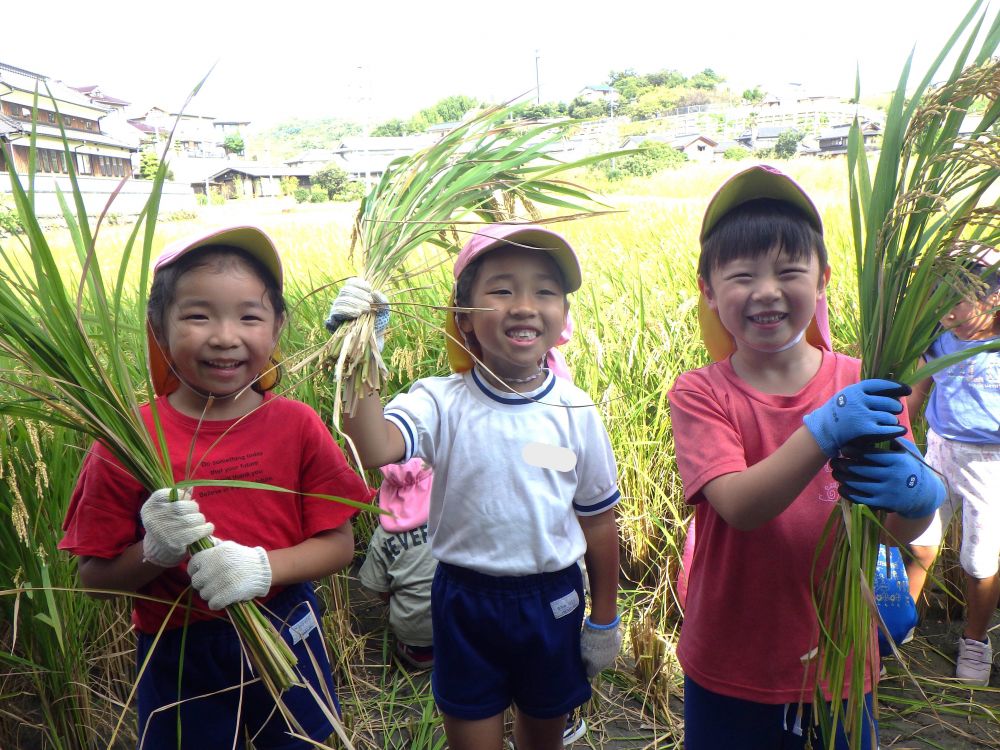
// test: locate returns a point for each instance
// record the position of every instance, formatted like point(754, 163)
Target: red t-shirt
point(750, 616)
point(283, 443)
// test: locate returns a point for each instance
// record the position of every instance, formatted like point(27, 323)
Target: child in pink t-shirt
point(754, 433)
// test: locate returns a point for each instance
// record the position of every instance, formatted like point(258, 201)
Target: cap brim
point(754, 183)
point(531, 238)
point(251, 239)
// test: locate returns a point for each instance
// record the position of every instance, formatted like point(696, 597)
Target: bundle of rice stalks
point(481, 171)
point(62, 338)
point(917, 226)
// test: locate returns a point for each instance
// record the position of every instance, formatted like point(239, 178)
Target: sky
point(370, 61)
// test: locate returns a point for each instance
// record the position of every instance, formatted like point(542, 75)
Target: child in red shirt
point(214, 316)
point(754, 433)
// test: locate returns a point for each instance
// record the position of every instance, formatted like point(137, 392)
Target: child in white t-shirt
point(525, 484)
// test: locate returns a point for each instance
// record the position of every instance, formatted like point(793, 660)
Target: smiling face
point(524, 290)
point(767, 301)
point(220, 331)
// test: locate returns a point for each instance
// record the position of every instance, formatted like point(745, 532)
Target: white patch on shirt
point(301, 629)
point(548, 456)
point(565, 605)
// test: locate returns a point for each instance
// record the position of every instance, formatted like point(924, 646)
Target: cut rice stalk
point(73, 372)
point(478, 173)
point(917, 224)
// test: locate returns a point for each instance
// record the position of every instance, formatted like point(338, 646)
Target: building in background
point(93, 151)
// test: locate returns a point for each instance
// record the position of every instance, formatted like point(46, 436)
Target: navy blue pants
point(713, 722)
point(504, 639)
point(203, 705)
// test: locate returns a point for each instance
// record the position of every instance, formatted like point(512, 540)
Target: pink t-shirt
point(283, 443)
point(750, 618)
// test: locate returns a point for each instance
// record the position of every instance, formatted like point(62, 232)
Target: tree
point(707, 80)
point(449, 109)
point(736, 153)
point(581, 109)
point(629, 84)
point(233, 144)
point(753, 96)
point(652, 157)
point(532, 111)
point(653, 103)
point(149, 162)
point(669, 78)
point(330, 178)
point(393, 127)
point(788, 143)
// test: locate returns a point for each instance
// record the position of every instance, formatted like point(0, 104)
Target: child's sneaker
point(975, 660)
point(418, 657)
point(576, 727)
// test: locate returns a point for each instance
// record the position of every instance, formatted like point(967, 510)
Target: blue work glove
point(896, 480)
point(355, 298)
point(865, 412)
point(599, 645)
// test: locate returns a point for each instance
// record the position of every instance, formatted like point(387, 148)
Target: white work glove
point(355, 298)
point(171, 527)
point(230, 572)
point(599, 645)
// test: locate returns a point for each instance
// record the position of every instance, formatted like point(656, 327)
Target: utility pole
point(538, 86)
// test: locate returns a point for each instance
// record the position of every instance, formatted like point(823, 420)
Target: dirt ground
point(965, 719)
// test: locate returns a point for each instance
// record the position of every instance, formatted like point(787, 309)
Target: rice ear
point(913, 222)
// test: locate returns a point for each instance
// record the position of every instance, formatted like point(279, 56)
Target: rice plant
point(486, 169)
point(60, 335)
point(916, 224)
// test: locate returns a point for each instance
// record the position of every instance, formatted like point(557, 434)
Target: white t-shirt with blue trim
point(511, 471)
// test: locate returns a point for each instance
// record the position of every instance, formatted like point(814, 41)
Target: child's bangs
point(757, 228)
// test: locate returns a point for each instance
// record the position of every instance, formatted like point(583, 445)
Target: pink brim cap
point(529, 237)
point(249, 238)
point(253, 240)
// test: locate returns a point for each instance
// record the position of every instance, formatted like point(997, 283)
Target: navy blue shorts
point(212, 662)
point(515, 639)
point(713, 721)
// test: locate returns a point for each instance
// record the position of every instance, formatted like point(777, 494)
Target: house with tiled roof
point(695, 146)
point(99, 145)
point(94, 151)
point(598, 93)
point(97, 96)
point(363, 156)
point(253, 180)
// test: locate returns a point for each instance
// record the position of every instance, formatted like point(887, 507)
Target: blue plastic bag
point(892, 596)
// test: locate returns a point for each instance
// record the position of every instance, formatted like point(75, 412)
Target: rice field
point(66, 671)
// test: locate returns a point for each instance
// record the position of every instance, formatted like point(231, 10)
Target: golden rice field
point(65, 670)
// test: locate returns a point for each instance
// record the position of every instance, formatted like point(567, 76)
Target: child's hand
point(230, 572)
point(865, 411)
point(599, 646)
point(896, 480)
point(355, 298)
point(171, 527)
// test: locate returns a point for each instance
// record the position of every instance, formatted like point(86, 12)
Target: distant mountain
point(284, 140)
